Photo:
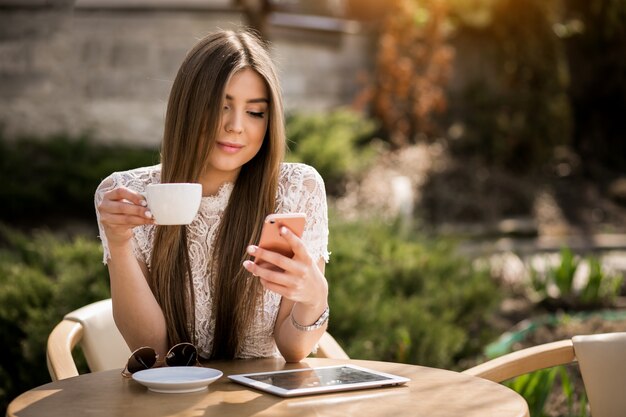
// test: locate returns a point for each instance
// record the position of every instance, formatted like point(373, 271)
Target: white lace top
point(300, 189)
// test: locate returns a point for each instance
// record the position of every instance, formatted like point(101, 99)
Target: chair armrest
point(525, 361)
point(61, 342)
point(329, 348)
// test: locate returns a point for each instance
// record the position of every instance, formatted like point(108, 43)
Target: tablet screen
point(318, 380)
point(321, 377)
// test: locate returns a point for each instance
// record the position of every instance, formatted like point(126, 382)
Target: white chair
point(93, 327)
point(103, 346)
point(601, 359)
point(329, 348)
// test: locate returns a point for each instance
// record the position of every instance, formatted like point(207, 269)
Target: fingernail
point(148, 214)
point(251, 249)
point(283, 230)
point(248, 266)
point(143, 203)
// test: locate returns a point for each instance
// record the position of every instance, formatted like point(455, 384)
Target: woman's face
point(243, 126)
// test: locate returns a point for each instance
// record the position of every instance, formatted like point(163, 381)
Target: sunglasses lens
point(183, 354)
point(142, 358)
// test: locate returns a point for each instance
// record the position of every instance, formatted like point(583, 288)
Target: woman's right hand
point(120, 211)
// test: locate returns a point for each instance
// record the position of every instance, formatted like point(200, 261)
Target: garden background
point(472, 151)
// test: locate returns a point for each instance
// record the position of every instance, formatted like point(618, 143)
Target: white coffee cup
point(174, 203)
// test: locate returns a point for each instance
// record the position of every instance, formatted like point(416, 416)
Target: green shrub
point(42, 277)
point(57, 177)
point(555, 287)
point(408, 300)
point(334, 143)
point(536, 387)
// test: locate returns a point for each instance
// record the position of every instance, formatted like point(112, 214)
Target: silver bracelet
point(319, 323)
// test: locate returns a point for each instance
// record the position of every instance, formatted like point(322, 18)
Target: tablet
point(317, 380)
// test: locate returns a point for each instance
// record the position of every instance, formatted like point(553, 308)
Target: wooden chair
point(92, 327)
point(601, 359)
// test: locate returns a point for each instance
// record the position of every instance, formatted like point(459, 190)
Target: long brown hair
point(191, 124)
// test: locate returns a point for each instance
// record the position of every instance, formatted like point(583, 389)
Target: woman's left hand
point(298, 279)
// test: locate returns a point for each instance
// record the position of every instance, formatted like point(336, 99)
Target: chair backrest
point(93, 327)
point(602, 362)
point(329, 348)
point(102, 344)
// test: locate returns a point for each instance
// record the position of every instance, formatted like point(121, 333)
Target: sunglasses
point(182, 354)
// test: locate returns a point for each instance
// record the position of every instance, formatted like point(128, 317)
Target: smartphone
point(270, 234)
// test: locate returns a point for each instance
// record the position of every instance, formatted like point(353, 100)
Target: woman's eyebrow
point(252, 100)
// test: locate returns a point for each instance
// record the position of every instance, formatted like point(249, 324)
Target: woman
point(224, 128)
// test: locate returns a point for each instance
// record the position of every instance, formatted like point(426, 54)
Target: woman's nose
point(233, 123)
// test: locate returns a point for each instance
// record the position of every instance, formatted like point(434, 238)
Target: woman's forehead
point(247, 85)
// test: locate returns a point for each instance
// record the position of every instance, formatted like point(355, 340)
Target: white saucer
point(177, 379)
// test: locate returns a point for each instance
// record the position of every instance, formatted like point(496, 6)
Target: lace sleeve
point(107, 185)
point(113, 181)
point(312, 201)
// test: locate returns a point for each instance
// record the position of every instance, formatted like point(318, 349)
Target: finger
point(123, 193)
point(297, 245)
point(273, 276)
point(123, 220)
point(279, 289)
point(290, 293)
point(274, 258)
point(267, 265)
point(119, 207)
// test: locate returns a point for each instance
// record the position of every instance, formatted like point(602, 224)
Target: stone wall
point(67, 68)
point(320, 70)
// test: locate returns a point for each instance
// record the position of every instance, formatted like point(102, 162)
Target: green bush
point(56, 177)
point(42, 277)
point(407, 300)
point(536, 387)
point(334, 143)
point(49, 178)
point(555, 287)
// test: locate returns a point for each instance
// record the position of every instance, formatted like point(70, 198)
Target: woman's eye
point(259, 114)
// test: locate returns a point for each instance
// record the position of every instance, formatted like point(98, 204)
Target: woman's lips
point(229, 147)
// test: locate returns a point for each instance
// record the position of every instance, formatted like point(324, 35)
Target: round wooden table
point(431, 392)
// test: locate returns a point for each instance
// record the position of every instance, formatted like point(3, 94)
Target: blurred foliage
point(334, 143)
point(413, 65)
point(556, 288)
point(518, 114)
point(558, 79)
point(42, 277)
point(58, 176)
point(404, 299)
point(550, 74)
point(536, 387)
point(595, 36)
